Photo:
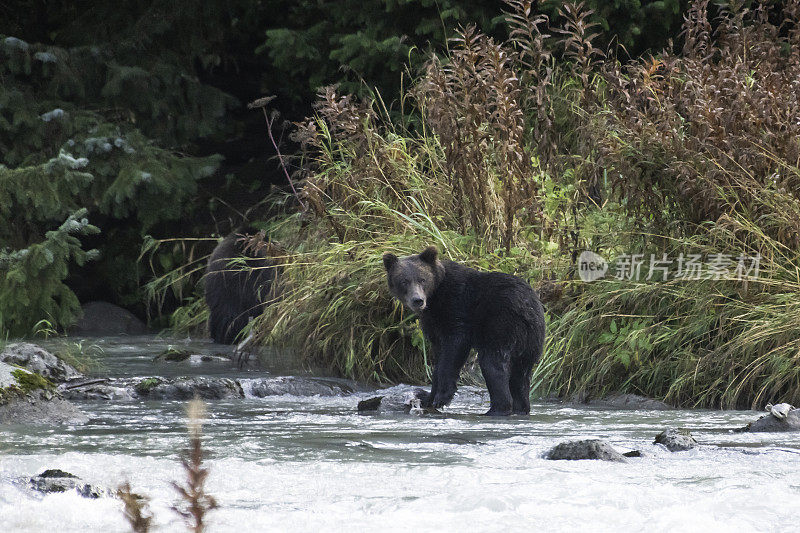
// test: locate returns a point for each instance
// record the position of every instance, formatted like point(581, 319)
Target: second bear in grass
point(460, 308)
point(238, 282)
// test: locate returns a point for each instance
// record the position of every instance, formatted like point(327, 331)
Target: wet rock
point(370, 404)
point(51, 481)
point(98, 389)
point(676, 440)
point(39, 361)
point(584, 449)
point(633, 453)
point(205, 358)
point(297, 386)
point(399, 399)
point(173, 355)
point(770, 423)
point(209, 388)
point(187, 388)
point(405, 399)
point(621, 401)
point(102, 319)
point(41, 409)
point(31, 399)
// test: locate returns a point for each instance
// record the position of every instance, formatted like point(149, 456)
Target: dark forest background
point(513, 135)
point(125, 121)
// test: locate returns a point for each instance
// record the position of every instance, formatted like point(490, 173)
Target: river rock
point(209, 388)
point(95, 390)
point(621, 401)
point(634, 453)
point(676, 440)
point(770, 423)
point(296, 386)
point(173, 355)
point(584, 449)
point(187, 388)
point(38, 360)
point(29, 398)
point(397, 399)
point(54, 480)
point(101, 319)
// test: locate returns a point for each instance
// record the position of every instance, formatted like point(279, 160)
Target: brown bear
point(460, 308)
point(237, 284)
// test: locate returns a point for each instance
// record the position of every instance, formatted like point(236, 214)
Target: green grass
point(605, 161)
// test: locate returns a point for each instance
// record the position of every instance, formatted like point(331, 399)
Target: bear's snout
point(417, 303)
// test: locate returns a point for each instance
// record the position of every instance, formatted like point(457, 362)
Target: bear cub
point(499, 315)
point(236, 292)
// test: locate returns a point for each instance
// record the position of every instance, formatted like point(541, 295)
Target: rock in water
point(297, 386)
point(95, 390)
point(780, 410)
point(208, 388)
point(39, 361)
point(187, 388)
point(398, 399)
point(55, 480)
point(770, 423)
point(584, 449)
point(173, 355)
point(29, 398)
point(676, 440)
point(370, 404)
point(633, 453)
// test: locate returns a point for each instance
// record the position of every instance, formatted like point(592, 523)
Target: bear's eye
point(404, 283)
point(422, 280)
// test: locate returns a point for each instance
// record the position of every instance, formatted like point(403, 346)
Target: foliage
point(80, 354)
point(713, 128)
point(366, 45)
point(198, 503)
point(146, 385)
point(349, 42)
point(76, 132)
point(636, 25)
point(123, 120)
point(136, 509)
point(474, 105)
point(726, 181)
point(376, 187)
point(33, 280)
point(604, 154)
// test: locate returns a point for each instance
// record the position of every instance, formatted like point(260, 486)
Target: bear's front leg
point(450, 360)
point(426, 398)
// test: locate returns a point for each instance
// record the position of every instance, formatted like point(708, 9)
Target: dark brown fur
point(497, 314)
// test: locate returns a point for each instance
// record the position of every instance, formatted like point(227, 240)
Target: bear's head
point(413, 279)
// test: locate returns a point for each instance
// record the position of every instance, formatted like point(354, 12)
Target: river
point(288, 463)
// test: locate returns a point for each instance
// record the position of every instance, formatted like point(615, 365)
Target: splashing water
point(289, 463)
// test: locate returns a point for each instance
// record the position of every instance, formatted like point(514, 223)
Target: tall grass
point(704, 147)
point(516, 156)
point(720, 343)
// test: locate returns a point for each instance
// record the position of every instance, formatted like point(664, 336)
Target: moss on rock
point(146, 385)
point(29, 381)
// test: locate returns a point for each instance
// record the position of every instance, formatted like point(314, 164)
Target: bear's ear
point(429, 255)
point(389, 260)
